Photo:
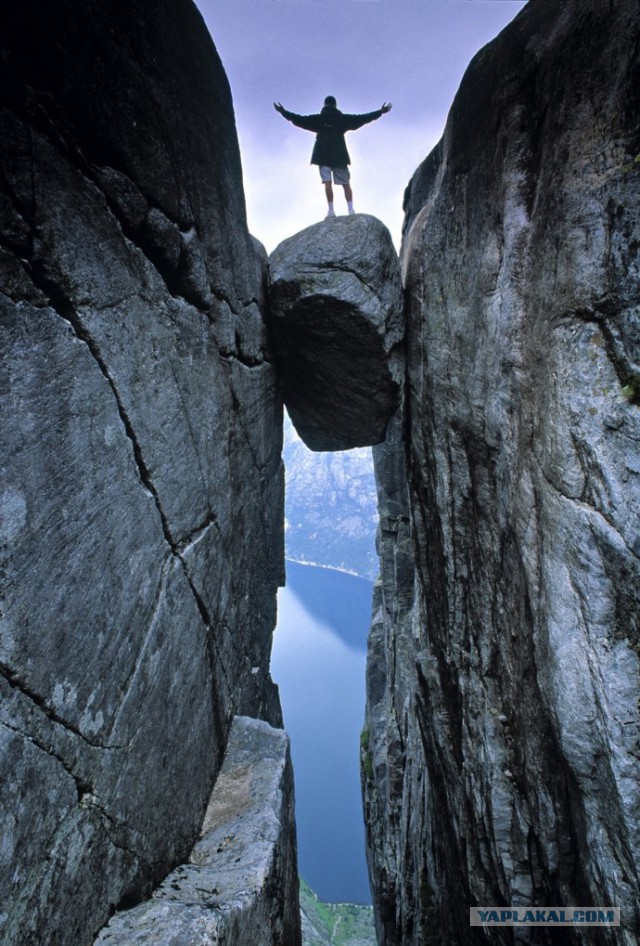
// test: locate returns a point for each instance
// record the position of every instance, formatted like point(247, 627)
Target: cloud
point(282, 190)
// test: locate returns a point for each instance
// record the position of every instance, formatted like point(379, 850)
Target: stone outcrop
point(141, 495)
point(336, 317)
point(501, 759)
point(239, 884)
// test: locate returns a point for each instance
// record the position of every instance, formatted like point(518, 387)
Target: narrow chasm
point(318, 662)
point(335, 310)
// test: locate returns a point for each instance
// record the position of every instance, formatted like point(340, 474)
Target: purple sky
point(412, 53)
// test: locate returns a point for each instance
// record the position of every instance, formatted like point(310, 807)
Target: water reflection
point(337, 599)
point(321, 680)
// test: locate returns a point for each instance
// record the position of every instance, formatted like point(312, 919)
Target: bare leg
point(348, 193)
point(328, 189)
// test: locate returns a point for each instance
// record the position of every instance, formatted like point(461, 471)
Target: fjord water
point(318, 661)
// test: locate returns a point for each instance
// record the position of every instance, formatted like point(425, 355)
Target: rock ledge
point(240, 884)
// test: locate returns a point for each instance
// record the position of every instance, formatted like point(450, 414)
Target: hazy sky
point(412, 53)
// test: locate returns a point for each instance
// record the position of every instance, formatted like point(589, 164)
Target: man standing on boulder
point(330, 151)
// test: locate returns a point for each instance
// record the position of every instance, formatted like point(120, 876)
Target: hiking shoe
point(331, 213)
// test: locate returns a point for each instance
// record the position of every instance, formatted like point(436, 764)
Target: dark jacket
point(330, 127)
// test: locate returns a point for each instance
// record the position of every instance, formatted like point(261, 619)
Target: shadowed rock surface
point(141, 495)
point(501, 756)
point(236, 887)
point(336, 317)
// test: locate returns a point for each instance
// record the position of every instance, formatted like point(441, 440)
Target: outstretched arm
point(308, 122)
point(357, 121)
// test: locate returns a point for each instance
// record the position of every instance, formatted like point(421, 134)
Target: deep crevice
point(83, 787)
point(627, 373)
point(63, 306)
point(188, 541)
point(14, 681)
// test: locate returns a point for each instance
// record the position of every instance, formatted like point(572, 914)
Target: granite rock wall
point(501, 759)
point(141, 490)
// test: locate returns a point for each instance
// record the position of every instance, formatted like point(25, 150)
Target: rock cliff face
point(501, 758)
point(336, 316)
point(141, 506)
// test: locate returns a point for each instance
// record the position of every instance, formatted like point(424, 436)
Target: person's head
point(330, 100)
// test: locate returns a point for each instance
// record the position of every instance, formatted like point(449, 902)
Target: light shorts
point(340, 175)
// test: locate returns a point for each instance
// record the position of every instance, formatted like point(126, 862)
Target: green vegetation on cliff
point(334, 924)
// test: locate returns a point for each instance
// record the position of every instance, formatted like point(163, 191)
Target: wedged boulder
point(336, 318)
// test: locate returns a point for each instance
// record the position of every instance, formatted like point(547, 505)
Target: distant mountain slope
point(334, 924)
point(331, 509)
